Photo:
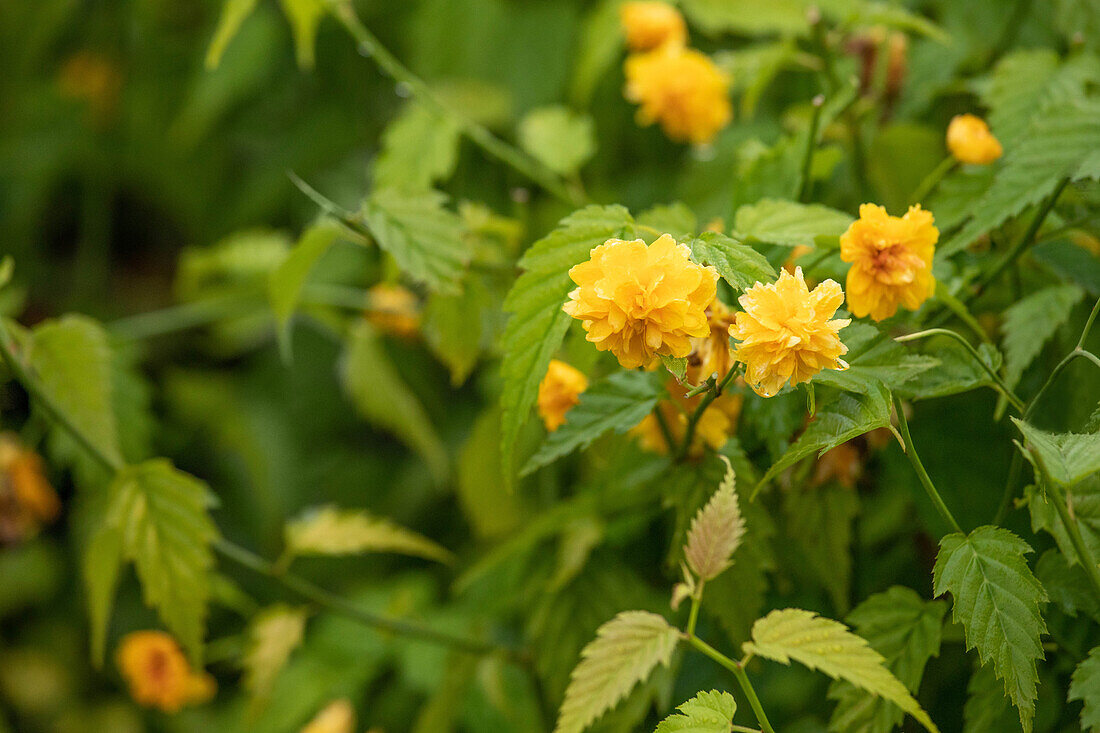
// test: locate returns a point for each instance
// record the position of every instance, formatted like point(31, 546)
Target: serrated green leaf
point(873, 358)
point(382, 397)
point(675, 219)
point(996, 599)
point(1067, 584)
point(1068, 458)
point(848, 416)
point(716, 531)
point(676, 366)
point(739, 264)
point(272, 635)
point(618, 403)
point(1031, 322)
point(558, 137)
point(625, 651)
point(425, 239)
point(777, 221)
point(304, 16)
point(537, 323)
point(234, 13)
point(331, 530)
point(829, 647)
point(1084, 498)
point(906, 630)
point(955, 373)
point(419, 148)
point(707, 712)
point(1085, 686)
point(987, 709)
point(285, 282)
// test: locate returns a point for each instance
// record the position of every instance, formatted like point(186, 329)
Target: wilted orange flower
point(640, 302)
point(559, 390)
point(158, 673)
point(337, 717)
point(711, 354)
point(27, 500)
point(393, 310)
point(683, 90)
point(650, 24)
point(785, 332)
point(970, 141)
point(891, 260)
point(715, 425)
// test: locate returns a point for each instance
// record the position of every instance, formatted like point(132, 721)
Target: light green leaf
point(828, 646)
point(996, 599)
point(707, 712)
point(538, 324)
point(381, 396)
point(1085, 686)
point(419, 148)
point(739, 264)
point(272, 635)
point(490, 508)
point(100, 569)
point(906, 630)
point(1067, 457)
point(330, 530)
point(1029, 323)
point(453, 326)
point(601, 42)
point(676, 366)
point(304, 17)
point(234, 13)
point(626, 649)
point(559, 138)
point(716, 531)
point(788, 223)
point(425, 239)
point(675, 219)
point(285, 283)
point(747, 17)
point(618, 402)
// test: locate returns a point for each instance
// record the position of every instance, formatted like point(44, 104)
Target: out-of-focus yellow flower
point(158, 673)
point(970, 141)
point(337, 717)
point(394, 310)
point(27, 500)
point(715, 425)
point(650, 24)
point(891, 260)
point(785, 333)
point(683, 90)
point(640, 302)
point(91, 77)
point(559, 390)
point(711, 354)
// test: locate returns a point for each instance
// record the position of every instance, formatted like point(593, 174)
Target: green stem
point(369, 45)
point(693, 421)
point(662, 423)
point(811, 144)
point(696, 602)
point(742, 679)
point(1008, 393)
point(926, 482)
point(932, 179)
point(184, 316)
point(1054, 492)
point(956, 306)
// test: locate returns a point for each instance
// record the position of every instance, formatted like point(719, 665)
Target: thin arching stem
point(742, 679)
point(1004, 388)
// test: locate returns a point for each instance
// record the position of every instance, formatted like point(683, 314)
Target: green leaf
point(491, 509)
point(987, 710)
point(330, 530)
point(272, 635)
point(425, 239)
point(716, 531)
point(819, 523)
point(1085, 686)
point(234, 13)
point(538, 324)
point(828, 646)
point(453, 326)
point(1067, 458)
point(1066, 584)
point(559, 138)
point(848, 416)
point(739, 264)
point(906, 630)
point(100, 567)
point(746, 17)
point(72, 358)
point(378, 392)
point(626, 649)
point(304, 17)
point(1084, 498)
point(753, 69)
point(676, 366)
point(955, 373)
point(285, 283)
point(618, 402)
point(777, 221)
point(419, 148)
point(873, 359)
point(601, 43)
point(675, 219)
point(996, 599)
point(707, 712)
point(1028, 324)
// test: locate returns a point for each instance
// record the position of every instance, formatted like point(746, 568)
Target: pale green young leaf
point(906, 630)
point(996, 599)
point(330, 530)
point(828, 646)
point(425, 239)
point(559, 138)
point(675, 219)
point(739, 264)
point(625, 651)
point(234, 13)
point(618, 403)
point(304, 16)
point(1029, 323)
point(1085, 686)
point(285, 282)
point(419, 148)
point(716, 531)
point(1066, 457)
point(777, 221)
point(272, 636)
point(537, 323)
point(707, 712)
point(987, 709)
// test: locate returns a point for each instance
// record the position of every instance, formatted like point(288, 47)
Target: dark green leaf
point(1067, 458)
point(739, 264)
point(1085, 686)
point(1031, 322)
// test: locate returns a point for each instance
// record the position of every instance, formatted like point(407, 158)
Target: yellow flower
point(337, 717)
point(27, 500)
point(715, 425)
point(158, 673)
point(970, 141)
point(785, 332)
point(649, 24)
point(559, 390)
point(891, 260)
point(394, 310)
point(683, 90)
point(711, 354)
point(639, 302)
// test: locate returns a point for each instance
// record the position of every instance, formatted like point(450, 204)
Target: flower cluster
point(158, 673)
point(713, 429)
point(559, 391)
point(679, 87)
point(970, 141)
point(640, 302)
point(27, 500)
